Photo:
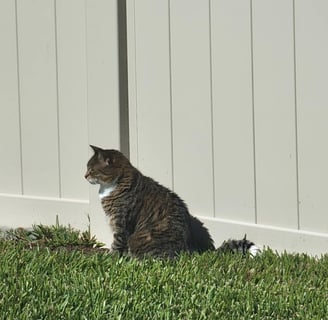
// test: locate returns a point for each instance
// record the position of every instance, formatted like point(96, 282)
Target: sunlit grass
point(38, 282)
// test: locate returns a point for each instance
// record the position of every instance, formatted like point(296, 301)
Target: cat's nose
point(86, 175)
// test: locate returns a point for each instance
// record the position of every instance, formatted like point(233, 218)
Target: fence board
point(312, 105)
point(72, 97)
point(153, 89)
point(103, 92)
point(37, 63)
point(102, 73)
point(232, 110)
point(24, 211)
point(10, 159)
point(274, 107)
point(191, 104)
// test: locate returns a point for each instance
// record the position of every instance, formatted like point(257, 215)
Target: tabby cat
point(148, 219)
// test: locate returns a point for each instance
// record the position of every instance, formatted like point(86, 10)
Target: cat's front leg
point(120, 243)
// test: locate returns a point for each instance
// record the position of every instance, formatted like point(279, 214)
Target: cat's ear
point(95, 149)
point(98, 152)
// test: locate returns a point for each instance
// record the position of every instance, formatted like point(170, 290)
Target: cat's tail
point(243, 246)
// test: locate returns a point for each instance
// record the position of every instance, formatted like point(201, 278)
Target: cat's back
point(167, 205)
point(159, 199)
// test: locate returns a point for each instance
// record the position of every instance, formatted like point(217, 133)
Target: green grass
point(52, 236)
point(42, 283)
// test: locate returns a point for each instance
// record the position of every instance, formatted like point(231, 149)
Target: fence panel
point(232, 110)
point(274, 113)
point(311, 21)
point(38, 97)
point(191, 104)
point(240, 113)
point(60, 94)
point(102, 64)
point(72, 97)
point(10, 159)
point(103, 92)
point(153, 100)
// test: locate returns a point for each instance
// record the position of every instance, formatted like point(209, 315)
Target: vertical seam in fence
point(253, 108)
point(296, 119)
point(19, 101)
point(135, 79)
point(171, 102)
point(87, 68)
point(123, 78)
point(211, 98)
point(87, 94)
point(57, 97)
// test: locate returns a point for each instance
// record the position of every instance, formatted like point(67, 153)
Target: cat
point(148, 219)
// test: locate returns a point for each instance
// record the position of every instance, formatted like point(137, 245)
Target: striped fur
point(147, 219)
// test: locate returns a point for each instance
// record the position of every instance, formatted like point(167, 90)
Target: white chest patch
point(106, 190)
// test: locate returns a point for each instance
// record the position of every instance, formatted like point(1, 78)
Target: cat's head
point(106, 166)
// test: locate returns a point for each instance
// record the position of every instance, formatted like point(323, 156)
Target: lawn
point(57, 273)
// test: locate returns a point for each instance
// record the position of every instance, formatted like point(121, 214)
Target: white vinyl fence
point(58, 93)
point(228, 106)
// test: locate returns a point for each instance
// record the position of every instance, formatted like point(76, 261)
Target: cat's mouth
point(91, 180)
